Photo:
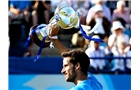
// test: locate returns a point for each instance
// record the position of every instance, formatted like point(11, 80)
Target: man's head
point(75, 62)
point(94, 43)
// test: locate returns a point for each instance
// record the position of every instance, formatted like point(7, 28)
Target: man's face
point(96, 45)
point(68, 70)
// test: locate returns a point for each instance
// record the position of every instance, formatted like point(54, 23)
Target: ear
point(77, 66)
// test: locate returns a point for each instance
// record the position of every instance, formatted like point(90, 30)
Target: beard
point(72, 75)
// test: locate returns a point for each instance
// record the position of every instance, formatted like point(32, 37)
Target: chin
point(69, 80)
point(66, 79)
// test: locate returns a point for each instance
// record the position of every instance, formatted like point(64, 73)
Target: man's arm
point(14, 10)
point(60, 47)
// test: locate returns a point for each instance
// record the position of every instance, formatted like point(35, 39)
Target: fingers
point(54, 30)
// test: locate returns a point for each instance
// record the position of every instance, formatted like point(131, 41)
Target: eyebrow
point(65, 65)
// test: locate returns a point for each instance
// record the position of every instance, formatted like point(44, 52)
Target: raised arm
point(60, 47)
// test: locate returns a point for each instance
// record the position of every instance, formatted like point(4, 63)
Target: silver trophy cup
point(64, 16)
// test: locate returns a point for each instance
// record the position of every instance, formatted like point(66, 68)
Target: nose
point(63, 71)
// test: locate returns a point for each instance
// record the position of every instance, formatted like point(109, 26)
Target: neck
point(80, 77)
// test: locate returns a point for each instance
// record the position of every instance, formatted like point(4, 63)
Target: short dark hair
point(78, 55)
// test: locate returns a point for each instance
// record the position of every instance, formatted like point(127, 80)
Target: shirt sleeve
point(89, 15)
point(107, 13)
point(110, 40)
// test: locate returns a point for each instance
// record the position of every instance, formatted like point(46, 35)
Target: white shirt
point(91, 52)
point(119, 63)
point(100, 28)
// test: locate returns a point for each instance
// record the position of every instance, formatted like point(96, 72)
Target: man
point(96, 50)
point(75, 65)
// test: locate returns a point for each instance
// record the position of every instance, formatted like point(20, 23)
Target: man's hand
point(15, 11)
point(54, 30)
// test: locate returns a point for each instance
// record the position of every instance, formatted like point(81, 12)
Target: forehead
point(66, 60)
point(118, 29)
point(99, 11)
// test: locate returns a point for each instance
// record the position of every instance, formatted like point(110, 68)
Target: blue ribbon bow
point(89, 37)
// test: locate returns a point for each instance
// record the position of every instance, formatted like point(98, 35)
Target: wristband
point(53, 37)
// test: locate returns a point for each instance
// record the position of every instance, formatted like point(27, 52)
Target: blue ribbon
point(89, 37)
point(42, 43)
point(33, 31)
point(28, 39)
point(40, 50)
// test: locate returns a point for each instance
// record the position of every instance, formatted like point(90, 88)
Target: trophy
point(65, 17)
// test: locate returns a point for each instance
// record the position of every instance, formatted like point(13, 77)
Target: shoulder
point(106, 8)
point(125, 35)
point(81, 86)
point(88, 50)
point(91, 9)
point(102, 48)
point(88, 85)
point(77, 88)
